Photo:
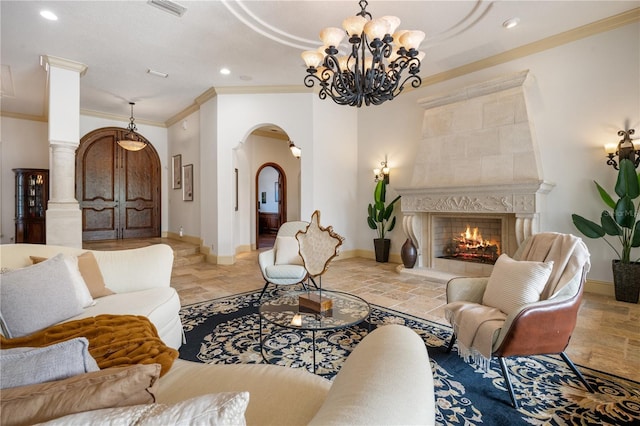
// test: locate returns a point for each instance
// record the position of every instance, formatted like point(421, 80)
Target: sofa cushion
point(514, 283)
point(27, 366)
point(279, 395)
point(36, 297)
point(225, 408)
point(111, 387)
point(158, 304)
point(287, 251)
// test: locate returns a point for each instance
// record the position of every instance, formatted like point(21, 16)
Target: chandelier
point(132, 141)
point(373, 71)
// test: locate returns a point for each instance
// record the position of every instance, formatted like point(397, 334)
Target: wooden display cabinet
point(32, 194)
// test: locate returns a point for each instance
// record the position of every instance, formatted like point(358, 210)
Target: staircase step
point(189, 259)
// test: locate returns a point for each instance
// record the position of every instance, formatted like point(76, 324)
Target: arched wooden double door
point(118, 190)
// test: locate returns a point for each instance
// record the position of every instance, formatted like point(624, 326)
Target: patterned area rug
point(226, 331)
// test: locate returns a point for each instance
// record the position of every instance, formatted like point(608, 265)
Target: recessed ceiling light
point(47, 14)
point(511, 23)
point(157, 73)
point(225, 71)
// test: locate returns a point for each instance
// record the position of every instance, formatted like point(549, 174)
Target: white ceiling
point(120, 40)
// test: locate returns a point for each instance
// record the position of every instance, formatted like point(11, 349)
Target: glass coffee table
point(284, 312)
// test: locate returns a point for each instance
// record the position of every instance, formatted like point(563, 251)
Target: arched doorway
point(118, 190)
point(271, 202)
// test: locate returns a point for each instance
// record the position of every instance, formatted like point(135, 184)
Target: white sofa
point(140, 278)
point(386, 380)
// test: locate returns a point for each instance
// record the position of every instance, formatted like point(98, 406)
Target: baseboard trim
point(599, 287)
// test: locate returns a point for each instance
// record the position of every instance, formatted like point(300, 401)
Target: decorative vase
point(382, 249)
point(409, 254)
point(626, 280)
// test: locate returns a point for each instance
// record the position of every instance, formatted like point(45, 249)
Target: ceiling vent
point(169, 6)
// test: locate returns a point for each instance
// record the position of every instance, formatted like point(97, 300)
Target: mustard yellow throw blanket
point(114, 340)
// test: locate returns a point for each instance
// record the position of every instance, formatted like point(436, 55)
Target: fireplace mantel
point(518, 198)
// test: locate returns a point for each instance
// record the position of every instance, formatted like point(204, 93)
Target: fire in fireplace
point(458, 240)
point(470, 246)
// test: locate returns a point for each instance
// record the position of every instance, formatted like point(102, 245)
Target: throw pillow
point(90, 271)
point(514, 283)
point(111, 387)
point(82, 292)
point(226, 408)
point(36, 297)
point(28, 366)
point(287, 251)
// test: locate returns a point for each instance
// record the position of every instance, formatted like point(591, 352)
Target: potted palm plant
point(622, 223)
point(381, 219)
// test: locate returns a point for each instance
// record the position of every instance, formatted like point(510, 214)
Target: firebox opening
point(468, 239)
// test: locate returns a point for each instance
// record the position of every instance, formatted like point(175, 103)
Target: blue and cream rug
point(225, 331)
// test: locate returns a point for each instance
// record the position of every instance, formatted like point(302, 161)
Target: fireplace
point(477, 162)
point(467, 238)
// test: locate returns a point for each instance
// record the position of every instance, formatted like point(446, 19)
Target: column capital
point(48, 61)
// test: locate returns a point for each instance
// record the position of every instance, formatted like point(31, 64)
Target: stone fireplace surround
point(478, 156)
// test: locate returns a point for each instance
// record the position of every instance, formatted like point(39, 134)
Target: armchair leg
point(451, 342)
point(507, 381)
point(266, 284)
point(576, 371)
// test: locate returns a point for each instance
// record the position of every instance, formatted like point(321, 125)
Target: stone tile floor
point(606, 338)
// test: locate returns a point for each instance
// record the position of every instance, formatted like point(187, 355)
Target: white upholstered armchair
point(282, 265)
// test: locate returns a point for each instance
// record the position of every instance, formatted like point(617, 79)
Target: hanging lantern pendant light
point(373, 71)
point(131, 140)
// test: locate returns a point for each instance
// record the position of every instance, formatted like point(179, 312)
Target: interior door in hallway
point(118, 190)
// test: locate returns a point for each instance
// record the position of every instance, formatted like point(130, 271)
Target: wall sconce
point(623, 149)
point(295, 150)
point(383, 173)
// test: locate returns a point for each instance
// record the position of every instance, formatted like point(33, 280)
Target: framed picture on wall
point(187, 179)
point(276, 191)
point(176, 171)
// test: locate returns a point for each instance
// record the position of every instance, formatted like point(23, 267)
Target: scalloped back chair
point(537, 328)
point(282, 265)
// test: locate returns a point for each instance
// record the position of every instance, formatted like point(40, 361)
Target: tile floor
point(606, 338)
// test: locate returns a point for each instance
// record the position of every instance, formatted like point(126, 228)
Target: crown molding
point(53, 61)
point(551, 42)
point(117, 117)
point(257, 90)
point(20, 116)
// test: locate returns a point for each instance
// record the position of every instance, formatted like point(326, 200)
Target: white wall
point(237, 116)
point(584, 92)
point(24, 144)
point(334, 170)
point(184, 140)
point(269, 150)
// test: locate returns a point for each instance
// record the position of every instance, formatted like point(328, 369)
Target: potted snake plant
point(382, 220)
point(622, 222)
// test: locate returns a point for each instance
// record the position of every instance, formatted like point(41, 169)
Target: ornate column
point(64, 221)
point(526, 226)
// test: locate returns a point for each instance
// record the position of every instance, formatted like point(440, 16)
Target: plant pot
point(626, 280)
point(382, 249)
point(409, 254)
